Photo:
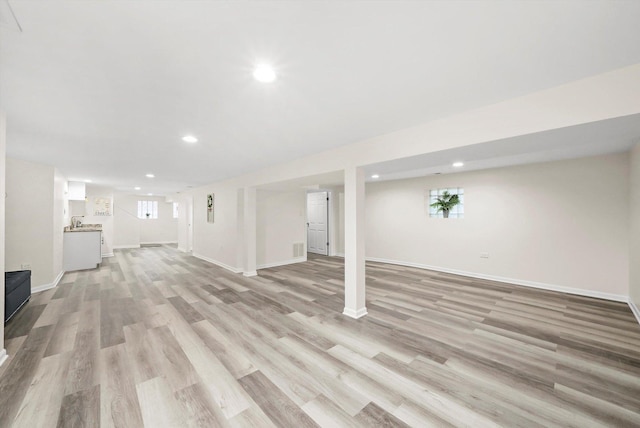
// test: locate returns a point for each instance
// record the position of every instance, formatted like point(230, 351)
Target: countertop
point(85, 228)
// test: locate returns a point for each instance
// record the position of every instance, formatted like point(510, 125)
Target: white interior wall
point(561, 224)
point(126, 225)
point(634, 235)
point(164, 229)
point(61, 219)
point(92, 193)
point(280, 224)
point(217, 242)
point(29, 210)
point(3, 147)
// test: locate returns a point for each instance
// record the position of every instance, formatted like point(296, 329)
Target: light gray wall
point(280, 222)
point(634, 235)
point(29, 210)
point(558, 223)
point(3, 146)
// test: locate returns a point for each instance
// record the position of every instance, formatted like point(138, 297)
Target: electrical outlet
point(484, 255)
point(25, 266)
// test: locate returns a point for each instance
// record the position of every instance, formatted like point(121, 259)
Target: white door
point(317, 228)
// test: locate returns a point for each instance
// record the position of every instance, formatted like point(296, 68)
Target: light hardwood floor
point(157, 338)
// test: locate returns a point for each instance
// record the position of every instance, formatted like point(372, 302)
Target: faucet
point(76, 223)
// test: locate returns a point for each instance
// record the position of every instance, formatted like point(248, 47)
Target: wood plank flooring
point(157, 338)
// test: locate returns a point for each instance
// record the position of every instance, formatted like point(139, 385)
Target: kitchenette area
point(84, 239)
point(82, 246)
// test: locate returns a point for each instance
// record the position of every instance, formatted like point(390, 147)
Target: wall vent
point(298, 249)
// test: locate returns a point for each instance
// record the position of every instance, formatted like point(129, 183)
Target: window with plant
point(148, 209)
point(446, 203)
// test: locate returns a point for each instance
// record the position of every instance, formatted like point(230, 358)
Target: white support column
point(354, 259)
point(249, 232)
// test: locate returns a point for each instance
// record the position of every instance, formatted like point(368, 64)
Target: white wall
point(126, 225)
point(61, 218)
point(164, 229)
point(634, 235)
point(3, 147)
point(30, 221)
point(130, 231)
point(29, 212)
point(217, 242)
point(559, 223)
point(281, 222)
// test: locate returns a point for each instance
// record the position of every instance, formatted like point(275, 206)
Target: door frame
point(331, 248)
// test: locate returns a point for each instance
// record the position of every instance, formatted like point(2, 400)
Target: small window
point(175, 210)
point(445, 195)
point(148, 209)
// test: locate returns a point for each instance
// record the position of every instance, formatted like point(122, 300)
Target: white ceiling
point(104, 90)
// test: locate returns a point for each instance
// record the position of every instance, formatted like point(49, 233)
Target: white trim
point(532, 284)
point(250, 274)
point(182, 249)
point(217, 263)
point(3, 356)
point(125, 247)
point(158, 242)
point(355, 313)
point(340, 255)
point(283, 263)
point(49, 286)
point(107, 254)
point(635, 310)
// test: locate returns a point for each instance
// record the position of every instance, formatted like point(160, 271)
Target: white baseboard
point(635, 310)
point(107, 254)
point(158, 242)
point(49, 286)
point(184, 250)
point(355, 313)
point(125, 247)
point(3, 356)
point(286, 262)
point(340, 255)
point(217, 263)
point(532, 284)
point(250, 274)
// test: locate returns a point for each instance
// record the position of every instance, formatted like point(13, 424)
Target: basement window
point(148, 209)
point(444, 195)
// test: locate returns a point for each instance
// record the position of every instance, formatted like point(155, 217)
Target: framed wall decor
point(210, 202)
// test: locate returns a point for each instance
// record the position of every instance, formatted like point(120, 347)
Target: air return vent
point(298, 249)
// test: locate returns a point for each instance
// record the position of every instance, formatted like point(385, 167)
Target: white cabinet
point(77, 190)
point(82, 250)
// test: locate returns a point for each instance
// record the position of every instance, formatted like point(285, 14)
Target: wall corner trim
point(355, 313)
point(3, 356)
point(525, 283)
point(217, 263)
point(635, 310)
point(49, 286)
point(283, 263)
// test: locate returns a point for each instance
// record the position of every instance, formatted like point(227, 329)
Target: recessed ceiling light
point(458, 164)
point(264, 73)
point(136, 188)
point(375, 176)
point(87, 181)
point(189, 139)
point(150, 175)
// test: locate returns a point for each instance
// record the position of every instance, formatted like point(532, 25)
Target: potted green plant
point(445, 203)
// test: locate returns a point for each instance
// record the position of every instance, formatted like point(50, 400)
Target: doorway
point(318, 223)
